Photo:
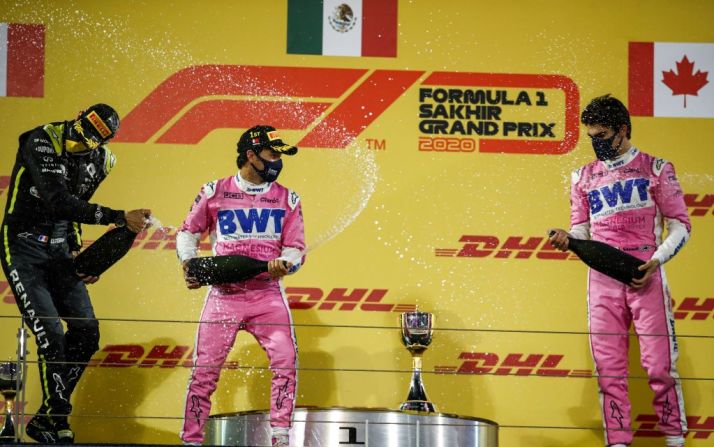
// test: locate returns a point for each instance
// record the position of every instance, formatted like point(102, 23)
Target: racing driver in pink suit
point(626, 198)
point(248, 214)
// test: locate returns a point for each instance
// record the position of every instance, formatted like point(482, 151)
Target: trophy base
point(7, 434)
point(418, 405)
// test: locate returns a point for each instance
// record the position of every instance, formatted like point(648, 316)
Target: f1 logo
point(351, 436)
point(260, 93)
point(192, 102)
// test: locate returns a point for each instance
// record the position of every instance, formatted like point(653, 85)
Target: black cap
point(97, 125)
point(259, 137)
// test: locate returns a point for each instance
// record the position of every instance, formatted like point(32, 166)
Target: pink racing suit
point(625, 202)
point(264, 222)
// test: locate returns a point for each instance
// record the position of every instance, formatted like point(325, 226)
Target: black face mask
point(603, 147)
point(271, 169)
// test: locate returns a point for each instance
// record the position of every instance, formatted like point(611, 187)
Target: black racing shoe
point(41, 430)
point(65, 435)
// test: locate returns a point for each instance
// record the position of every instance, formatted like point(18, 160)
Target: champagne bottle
point(606, 259)
point(105, 251)
point(225, 269)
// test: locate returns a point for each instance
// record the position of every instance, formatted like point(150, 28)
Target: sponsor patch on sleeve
point(658, 165)
point(109, 160)
point(293, 199)
point(209, 189)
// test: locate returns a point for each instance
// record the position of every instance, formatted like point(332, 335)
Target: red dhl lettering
point(145, 356)
point(694, 308)
point(700, 427)
point(514, 247)
point(518, 364)
point(700, 204)
point(369, 300)
point(4, 183)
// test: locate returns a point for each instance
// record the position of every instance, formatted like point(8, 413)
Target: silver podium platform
point(363, 427)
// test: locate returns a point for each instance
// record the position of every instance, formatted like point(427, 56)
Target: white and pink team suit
point(264, 222)
point(627, 202)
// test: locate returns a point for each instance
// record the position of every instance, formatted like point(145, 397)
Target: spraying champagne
point(227, 269)
point(606, 259)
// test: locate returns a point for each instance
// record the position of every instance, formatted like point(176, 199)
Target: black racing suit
point(46, 203)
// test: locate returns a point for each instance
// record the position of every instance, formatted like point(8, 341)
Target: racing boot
point(65, 435)
point(281, 437)
point(40, 428)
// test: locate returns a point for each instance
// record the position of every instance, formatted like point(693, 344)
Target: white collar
point(251, 188)
point(621, 160)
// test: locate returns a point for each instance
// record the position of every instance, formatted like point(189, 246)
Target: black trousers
point(47, 290)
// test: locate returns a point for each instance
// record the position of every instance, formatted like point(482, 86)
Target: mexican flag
point(22, 60)
point(343, 27)
point(671, 79)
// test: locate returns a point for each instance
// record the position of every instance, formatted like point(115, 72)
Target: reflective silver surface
point(338, 427)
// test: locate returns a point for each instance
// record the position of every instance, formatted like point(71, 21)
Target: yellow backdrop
point(391, 208)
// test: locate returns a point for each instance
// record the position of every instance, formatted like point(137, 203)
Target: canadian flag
point(22, 60)
point(671, 79)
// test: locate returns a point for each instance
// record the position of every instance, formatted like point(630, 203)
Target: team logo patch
point(252, 223)
point(98, 124)
point(273, 135)
point(619, 196)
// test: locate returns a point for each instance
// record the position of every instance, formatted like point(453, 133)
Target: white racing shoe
point(281, 437)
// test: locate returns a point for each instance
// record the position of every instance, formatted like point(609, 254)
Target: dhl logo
point(160, 239)
point(4, 183)
point(518, 247)
point(700, 427)
point(162, 356)
point(318, 100)
point(700, 204)
point(368, 300)
point(517, 364)
point(696, 308)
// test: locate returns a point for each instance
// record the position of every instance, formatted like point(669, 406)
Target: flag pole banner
point(437, 142)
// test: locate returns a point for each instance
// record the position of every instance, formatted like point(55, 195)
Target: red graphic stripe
point(572, 107)
point(379, 28)
point(360, 108)
point(25, 60)
point(186, 85)
point(641, 79)
point(215, 114)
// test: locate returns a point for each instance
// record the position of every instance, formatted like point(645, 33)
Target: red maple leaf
point(685, 82)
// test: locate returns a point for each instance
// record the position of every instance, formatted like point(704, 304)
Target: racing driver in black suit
point(58, 168)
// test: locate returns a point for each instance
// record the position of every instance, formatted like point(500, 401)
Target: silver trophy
point(10, 384)
point(416, 336)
